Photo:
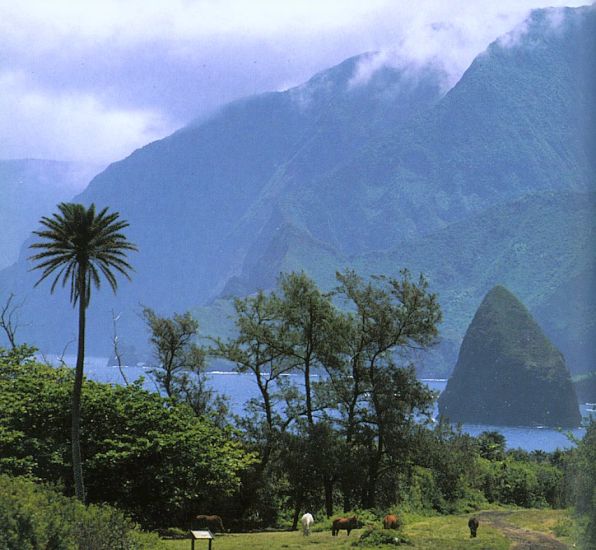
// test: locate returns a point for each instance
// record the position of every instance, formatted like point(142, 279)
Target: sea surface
point(241, 387)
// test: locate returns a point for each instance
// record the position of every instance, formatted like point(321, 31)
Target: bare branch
point(116, 349)
point(9, 320)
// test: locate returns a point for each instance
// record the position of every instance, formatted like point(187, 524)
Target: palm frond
point(79, 245)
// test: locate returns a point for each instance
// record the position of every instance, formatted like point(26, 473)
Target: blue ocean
point(241, 387)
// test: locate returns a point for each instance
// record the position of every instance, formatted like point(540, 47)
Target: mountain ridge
point(331, 171)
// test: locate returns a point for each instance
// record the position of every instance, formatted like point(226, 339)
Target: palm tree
point(79, 246)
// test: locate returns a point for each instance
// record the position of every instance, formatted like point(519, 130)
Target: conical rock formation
point(508, 373)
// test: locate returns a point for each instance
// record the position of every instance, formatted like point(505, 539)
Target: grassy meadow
point(434, 532)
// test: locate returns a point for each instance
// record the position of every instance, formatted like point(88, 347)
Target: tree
point(307, 316)
point(153, 459)
point(389, 318)
point(492, 445)
point(79, 246)
point(582, 472)
point(256, 349)
point(180, 370)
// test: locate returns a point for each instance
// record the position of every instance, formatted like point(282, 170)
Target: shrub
point(37, 517)
point(377, 537)
point(423, 493)
point(470, 501)
point(155, 460)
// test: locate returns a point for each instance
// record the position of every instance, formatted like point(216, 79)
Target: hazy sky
point(93, 80)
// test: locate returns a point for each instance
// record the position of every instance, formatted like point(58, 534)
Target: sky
point(92, 80)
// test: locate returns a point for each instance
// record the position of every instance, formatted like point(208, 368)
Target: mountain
point(516, 122)
point(382, 173)
point(541, 246)
point(29, 189)
point(508, 373)
point(185, 196)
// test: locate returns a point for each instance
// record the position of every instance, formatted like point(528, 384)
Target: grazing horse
point(307, 521)
point(344, 523)
point(213, 523)
point(390, 521)
point(473, 525)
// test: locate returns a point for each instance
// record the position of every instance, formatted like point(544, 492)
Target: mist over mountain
point(490, 182)
point(31, 188)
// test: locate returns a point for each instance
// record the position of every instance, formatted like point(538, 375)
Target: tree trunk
point(307, 393)
point(296, 513)
point(77, 465)
point(328, 483)
point(347, 500)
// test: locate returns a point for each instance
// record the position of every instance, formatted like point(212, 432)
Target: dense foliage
point(358, 435)
point(153, 458)
point(353, 435)
point(352, 426)
point(581, 483)
point(37, 517)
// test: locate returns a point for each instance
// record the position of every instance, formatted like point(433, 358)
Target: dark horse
point(344, 523)
point(473, 525)
point(390, 521)
point(213, 523)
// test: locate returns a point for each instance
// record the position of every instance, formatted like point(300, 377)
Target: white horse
point(307, 522)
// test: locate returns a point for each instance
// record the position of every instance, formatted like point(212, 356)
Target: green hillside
point(540, 246)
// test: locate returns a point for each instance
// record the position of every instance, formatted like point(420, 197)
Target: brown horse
point(390, 521)
point(213, 523)
point(473, 525)
point(344, 523)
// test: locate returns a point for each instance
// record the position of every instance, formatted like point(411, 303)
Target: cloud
point(449, 35)
point(70, 126)
point(133, 71)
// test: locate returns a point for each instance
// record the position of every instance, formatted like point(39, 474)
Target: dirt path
point(522, 539)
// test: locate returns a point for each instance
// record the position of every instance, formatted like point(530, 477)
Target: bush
point(153, 459)
point(423, 493)
point(470, 501)
point(37, 517)
point(377, 537)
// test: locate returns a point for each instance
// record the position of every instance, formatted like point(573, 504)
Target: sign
point(200, 535)
point(196, 535)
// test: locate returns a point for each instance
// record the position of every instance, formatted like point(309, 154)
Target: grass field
point(437, 533)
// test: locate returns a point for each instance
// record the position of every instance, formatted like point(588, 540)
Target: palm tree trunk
point(77, 464)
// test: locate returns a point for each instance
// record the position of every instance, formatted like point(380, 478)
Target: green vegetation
point(354, 436)
point(38, 517)
point(80, 247)
point(424, 532)
point(582, 482)
point(346, 433)
point(358, 442)
point(354, 439)
point(180, 363)
point(154, 459)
